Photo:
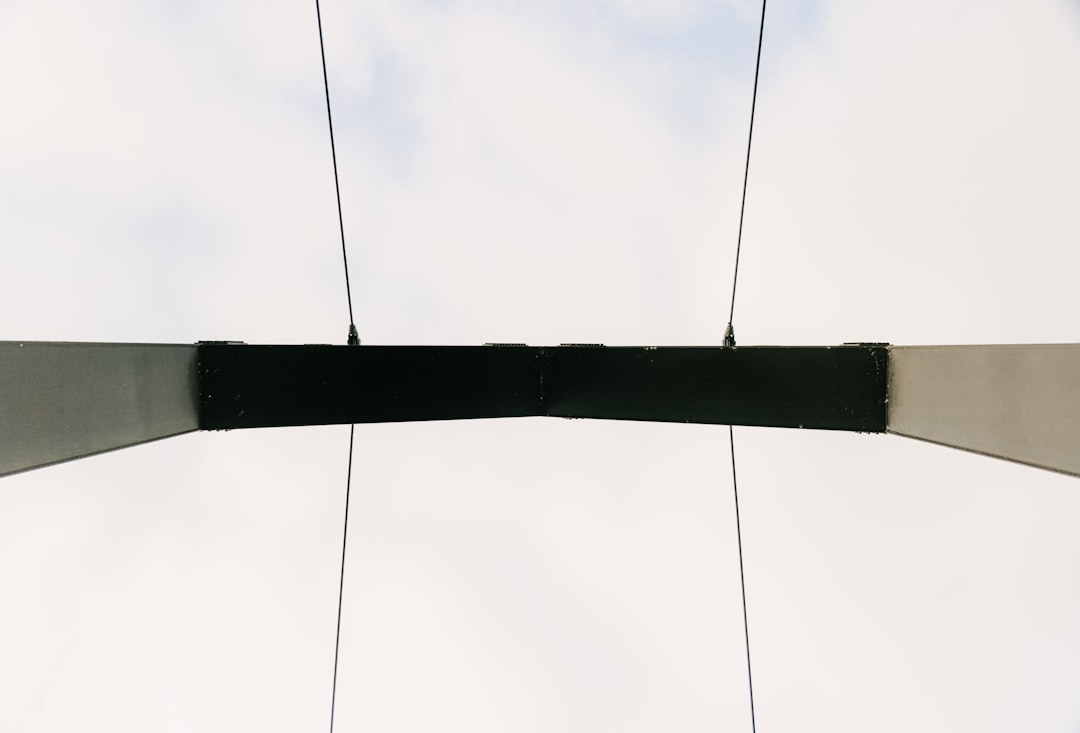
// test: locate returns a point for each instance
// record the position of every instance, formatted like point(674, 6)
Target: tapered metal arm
point(60, 401)
point(1017, 402)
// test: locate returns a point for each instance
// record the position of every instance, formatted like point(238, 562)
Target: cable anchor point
point(354, 337)
point(729, 336)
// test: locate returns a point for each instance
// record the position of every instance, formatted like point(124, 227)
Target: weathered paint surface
point(1016, 402)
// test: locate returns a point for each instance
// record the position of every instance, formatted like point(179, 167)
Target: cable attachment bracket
point(354, 337)
point(729, 336)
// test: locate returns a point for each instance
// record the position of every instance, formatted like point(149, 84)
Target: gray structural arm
point(61, 401)
point(1016, 402)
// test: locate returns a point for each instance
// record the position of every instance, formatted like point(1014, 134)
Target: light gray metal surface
point(1017, 402)
point(60, 401)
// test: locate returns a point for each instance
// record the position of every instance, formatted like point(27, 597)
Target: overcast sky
point(542, 173)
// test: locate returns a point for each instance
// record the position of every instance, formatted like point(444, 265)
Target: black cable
point(729, 340)
point(742, 580)
point(341, 581)
point(730, 334)
point(353, 338)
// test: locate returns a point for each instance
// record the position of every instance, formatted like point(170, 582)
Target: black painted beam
point(264, 386)
point(834, 388)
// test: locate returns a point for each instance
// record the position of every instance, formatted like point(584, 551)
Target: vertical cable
point(729, 335)
point(353, 337)
point(729, 340)
point(353, 340)
point(742, 579)
point(341, 581)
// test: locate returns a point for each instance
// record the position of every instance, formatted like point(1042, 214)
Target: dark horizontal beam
point(834, 388)
point(266, 386)
point(831, 388)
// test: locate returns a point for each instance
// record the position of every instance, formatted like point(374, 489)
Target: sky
point(542, 173)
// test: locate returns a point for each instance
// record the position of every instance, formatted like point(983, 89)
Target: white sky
point(539, 172)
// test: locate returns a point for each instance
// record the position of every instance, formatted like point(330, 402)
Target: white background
point(541, 173)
